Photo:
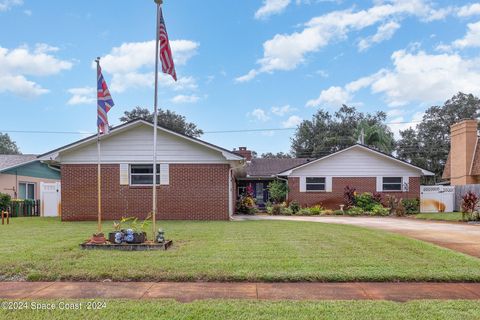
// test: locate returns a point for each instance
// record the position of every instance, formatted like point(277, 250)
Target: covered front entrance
point(259, 187)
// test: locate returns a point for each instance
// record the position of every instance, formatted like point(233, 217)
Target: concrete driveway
point(456, 236)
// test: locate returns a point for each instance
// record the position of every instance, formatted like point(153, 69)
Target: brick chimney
point(247, 154)
point(462, 148)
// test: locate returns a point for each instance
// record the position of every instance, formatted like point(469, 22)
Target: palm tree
point(375, 135)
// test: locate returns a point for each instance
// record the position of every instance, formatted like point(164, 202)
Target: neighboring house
point(21, 175)
point(195, 179)
point(463, 163)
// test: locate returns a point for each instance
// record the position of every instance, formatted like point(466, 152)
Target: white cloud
point(16, 64)
point(84, 95)
point(287, 51)
point(292, 122)
point(399, 123)
point(182, 99)
point(415, 77)
point(28, 12)
point(271, 7)
point(247, 77)
point(6, 5)
point(331, 97)
point(384, 32)
point(259, 114)
point(471, 38)
point(469, 10)
point(281, 111)
point(130, 65)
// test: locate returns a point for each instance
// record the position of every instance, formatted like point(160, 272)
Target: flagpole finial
point(97, 60)
point(159, 2)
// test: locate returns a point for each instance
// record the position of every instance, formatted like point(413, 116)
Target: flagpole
point(99, 171)
point(155, 123)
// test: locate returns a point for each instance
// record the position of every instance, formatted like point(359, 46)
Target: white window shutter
point(124, 174)
point(303, 184)
point(164, 174)
point(379, 184)
point(406, 184)
point(328, 184)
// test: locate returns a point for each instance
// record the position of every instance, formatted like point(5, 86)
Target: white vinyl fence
point(50, 199)
point(437, 198)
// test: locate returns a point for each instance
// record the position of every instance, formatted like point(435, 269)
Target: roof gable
point(358, 160)
point(117, 143)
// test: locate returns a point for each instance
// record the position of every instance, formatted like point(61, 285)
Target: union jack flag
point(166, 57)
point(104, 102)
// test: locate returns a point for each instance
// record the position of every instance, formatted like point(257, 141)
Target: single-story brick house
point(196, 180)
point(323, 180)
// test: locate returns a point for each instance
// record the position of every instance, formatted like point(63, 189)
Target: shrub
point(5, 201)
point(277, 209)
point(246, 205)
point(379, 210)
point(469, 204)
point(339, 212)
point(295, 207)
point(377, 197)
point(277, 191)
point(316, 210)
point(412, 206)
point(349, 196)
point(327, 212)
point(355, 211)
point(303, 212)
point(392, 204)
point(366, 201)
point(400, 210)
point(286, 211)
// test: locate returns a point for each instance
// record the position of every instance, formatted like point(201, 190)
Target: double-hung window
point(26, 190)
point(142, 174)
point(315, 184)
point(392, 184)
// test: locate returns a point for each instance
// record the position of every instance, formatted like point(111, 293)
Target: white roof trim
point(424, 172)
point(19, 165)
point(53, 154)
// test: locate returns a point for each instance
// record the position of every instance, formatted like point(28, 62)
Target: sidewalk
point(189, 291)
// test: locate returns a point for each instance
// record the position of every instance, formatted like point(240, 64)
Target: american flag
point(166, 57)
point(104, 102)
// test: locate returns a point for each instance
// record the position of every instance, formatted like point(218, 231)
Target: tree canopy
point(326, 133)
point(278, 155)
point(428, 144)
point(7, 145)
point(166, 118)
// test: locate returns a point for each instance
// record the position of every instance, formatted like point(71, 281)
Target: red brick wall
point(332, 200)
point(195, 192)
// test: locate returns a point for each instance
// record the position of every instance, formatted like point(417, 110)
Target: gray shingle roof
point(271, 167)
point(10, 160)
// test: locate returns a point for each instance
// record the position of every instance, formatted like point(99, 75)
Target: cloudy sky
point(242, 65)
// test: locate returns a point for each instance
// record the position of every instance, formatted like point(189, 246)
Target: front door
point(259, 194)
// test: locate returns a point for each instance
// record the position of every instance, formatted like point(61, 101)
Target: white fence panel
point(437, 198)
point(50, 199)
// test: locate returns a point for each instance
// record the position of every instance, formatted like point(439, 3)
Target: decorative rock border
point(127, 247)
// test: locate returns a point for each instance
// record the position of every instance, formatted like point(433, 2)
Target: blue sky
point(257, 64)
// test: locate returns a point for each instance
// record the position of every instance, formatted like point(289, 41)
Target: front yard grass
point(37, 249)
point(259, 310)
point(441, 216)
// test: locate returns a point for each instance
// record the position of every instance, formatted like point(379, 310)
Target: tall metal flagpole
point(155, 122)
point(99, 171)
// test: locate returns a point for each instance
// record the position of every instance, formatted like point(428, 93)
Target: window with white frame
point(315, 184)
point(142, 174)
point(26, 190)
point(392, 184)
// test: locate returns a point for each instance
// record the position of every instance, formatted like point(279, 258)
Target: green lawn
point(47, 249)
point(261, 310)
point(444, 216)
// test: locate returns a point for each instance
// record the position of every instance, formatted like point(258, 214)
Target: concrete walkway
point(185, 292)
point(456, 236)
